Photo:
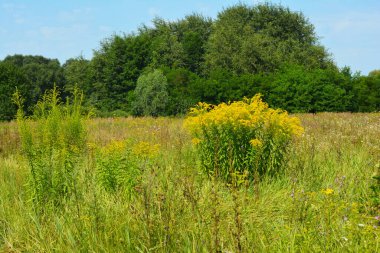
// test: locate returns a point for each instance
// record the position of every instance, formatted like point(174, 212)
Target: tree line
point(168, 67)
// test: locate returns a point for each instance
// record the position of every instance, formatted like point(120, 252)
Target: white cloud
point(348, 22)
point(11, 7)
point(203, 8)
point(105, 29)
point(357, 21)
point(62, 32)
point(19, 20)
point(153, 11)
point(74, 15)
point(16, 12)
point(257, 2)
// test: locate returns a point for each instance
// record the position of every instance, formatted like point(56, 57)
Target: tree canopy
point(11, 78)
point(263, 38)
point(166, 68)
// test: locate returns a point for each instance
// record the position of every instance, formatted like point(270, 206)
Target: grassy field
point(321, 202)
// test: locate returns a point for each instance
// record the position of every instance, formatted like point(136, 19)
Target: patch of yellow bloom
point(328, 191)
point(75, 149)
point(91, 145)
point(256, 143)
point(238, 129)
point(146, 149)
point(249, 113)
point(114, 147)
point(195, 141)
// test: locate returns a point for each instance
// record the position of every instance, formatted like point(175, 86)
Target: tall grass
point(53, 141)
point(322, 201)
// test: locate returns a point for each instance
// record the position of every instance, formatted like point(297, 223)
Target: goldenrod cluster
point(256, 143)
point(114, 147)
point(241, 135)
point(145, 149)
point(327, 191)
point(250, 113)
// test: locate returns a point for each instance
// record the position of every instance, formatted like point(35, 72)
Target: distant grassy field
point(321, 202)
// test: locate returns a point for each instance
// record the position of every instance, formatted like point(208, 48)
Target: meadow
point(323, 200)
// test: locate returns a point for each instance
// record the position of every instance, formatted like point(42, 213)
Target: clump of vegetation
point(53, 140)
point(120, 164)
point(243, 136)
point(116, 168)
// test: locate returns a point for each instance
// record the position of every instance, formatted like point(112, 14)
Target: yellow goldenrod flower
point(145, 149)
point(114, 147)
point(195, 141)
point(228, 128)
point(256, 143)
point(91, 145)
point(328, 191)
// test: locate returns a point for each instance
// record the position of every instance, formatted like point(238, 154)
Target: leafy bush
point(53, 140)
point(243, 136)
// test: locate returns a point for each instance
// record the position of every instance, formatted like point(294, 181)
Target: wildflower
point(328, 191)
point(114, 147)
point(195, 141)
point(229, 128)
point(256, 143)
point(91, 145)
point(85, 218)
point(145, 149)
point(75, 149)
point(292, 194)
point(361, 225)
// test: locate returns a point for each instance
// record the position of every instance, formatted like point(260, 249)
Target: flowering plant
point(242, 136)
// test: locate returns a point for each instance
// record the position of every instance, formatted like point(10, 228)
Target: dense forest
point(166, 68)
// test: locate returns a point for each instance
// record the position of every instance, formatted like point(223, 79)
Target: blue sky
point(62, 29)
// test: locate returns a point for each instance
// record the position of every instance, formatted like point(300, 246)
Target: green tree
point(42, 73)
point(298, 89)
point(116, 66)
point(181, 90)
point(11, 78)
point(262, 38)
point(151, 95)
point(180, 44)
point(366, 92)
point(166, 49)
point(193, 32)
point(374, 73)
point(77, 72)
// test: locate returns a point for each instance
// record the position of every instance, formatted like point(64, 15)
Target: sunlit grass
point(320, 202)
